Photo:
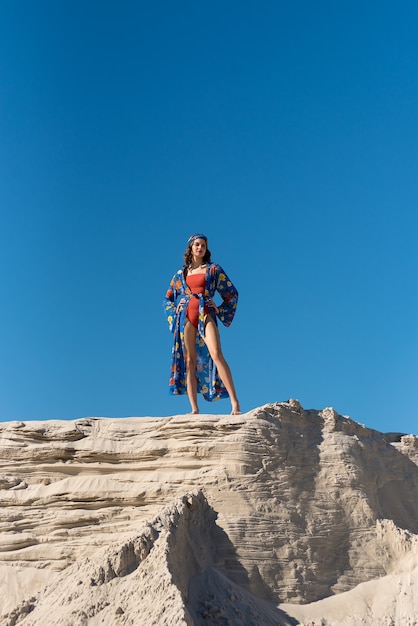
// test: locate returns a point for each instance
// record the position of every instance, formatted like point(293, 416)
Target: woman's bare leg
point(213, 343)
point(190, 346)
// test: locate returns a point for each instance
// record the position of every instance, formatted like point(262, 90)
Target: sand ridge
point(293, 510)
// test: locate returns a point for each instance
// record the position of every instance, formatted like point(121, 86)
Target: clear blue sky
point(286, 131)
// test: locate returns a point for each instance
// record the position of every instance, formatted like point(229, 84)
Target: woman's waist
point(199, 298)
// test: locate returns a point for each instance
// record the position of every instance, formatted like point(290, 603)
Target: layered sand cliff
point(277, 516)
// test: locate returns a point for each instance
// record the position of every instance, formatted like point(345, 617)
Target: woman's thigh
point(190, 340)
point(212, 338)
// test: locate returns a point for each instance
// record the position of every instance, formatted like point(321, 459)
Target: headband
point(198, 236)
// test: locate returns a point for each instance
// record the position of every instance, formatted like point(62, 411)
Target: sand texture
point(280, 516)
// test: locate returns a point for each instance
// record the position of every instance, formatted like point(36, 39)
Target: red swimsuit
point(196, 282)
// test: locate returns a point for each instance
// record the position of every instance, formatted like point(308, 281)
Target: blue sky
point(287, 132)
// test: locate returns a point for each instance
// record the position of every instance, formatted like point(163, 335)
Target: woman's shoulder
point(178, 278)
point(214, 268)
point(217, 271)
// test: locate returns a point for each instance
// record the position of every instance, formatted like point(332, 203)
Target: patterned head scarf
point(197, 236)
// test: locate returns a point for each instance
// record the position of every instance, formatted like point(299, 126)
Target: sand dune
point(278, 516)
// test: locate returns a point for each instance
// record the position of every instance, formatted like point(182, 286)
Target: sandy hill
point(280, 516)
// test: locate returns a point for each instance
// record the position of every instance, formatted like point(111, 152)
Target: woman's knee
point(190, 361)
point(216, 354)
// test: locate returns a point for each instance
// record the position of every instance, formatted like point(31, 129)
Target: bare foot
point(194, 412)
point(236, 410)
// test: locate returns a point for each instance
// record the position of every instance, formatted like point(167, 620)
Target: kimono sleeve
point(169, 302)
point(229, 295)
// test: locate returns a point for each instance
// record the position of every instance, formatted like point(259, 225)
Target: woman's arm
point(169, 302)
point(229, 295)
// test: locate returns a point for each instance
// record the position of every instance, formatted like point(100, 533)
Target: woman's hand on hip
point(212, 305)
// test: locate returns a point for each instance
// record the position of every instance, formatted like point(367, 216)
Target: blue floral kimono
point(175, 305)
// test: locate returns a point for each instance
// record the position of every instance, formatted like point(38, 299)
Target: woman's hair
point(188, 256)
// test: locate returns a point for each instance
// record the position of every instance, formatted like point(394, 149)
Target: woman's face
point(199, 248)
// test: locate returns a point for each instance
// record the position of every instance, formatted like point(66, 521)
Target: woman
point(198, 364)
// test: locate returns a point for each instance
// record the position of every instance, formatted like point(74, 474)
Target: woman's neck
point(196, 267)
point(197, 264)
